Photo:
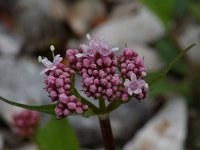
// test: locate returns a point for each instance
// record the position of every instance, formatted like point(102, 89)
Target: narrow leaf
point(170, 65)
point(49, 109)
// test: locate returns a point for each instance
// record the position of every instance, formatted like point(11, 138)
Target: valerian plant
point(106, 77)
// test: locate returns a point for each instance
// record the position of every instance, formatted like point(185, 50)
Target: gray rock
point(29, 146)
point(166, 131)
point(40, 22)
point(151, 59)
point(125, 9)
point(10, 43)
point(141, 27)
point(190, 36)
point(1, 141)
point(20, 80)
point(83, 13)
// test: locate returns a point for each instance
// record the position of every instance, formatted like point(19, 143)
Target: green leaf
point(170, 65)
point(167, 50)
point(164, 86)
point(114, 105)
point(164, 10)
point(49, 109)
point(88, 113)
point(57, 135)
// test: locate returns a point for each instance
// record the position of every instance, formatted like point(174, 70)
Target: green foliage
point(181, 8)
point(167, 50)
point(195, 10)
point(57, 135)
point(165, 86)
point(169, 66)
point(163, 9)
point(49, 109)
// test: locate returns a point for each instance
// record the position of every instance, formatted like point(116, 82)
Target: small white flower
point(48, 64)
point(135, 86)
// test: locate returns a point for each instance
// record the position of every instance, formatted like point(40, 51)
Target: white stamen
point(88, 36)
point(52, 48)
point(144, 73)
point(40, 59)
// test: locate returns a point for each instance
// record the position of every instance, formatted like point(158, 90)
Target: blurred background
point(158, 30)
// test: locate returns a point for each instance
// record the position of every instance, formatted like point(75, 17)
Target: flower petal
point(39, 58)
point(80, 55)
point(137, 91)
point(57, 59)
point(130, 92)
point(133, 77)
point(44, 71)
point(127, 83)
point(46, 62)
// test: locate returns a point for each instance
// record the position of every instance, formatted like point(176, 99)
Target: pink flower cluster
point(104, 76)
point(68, 105)
point(97, 64)
point(130, 62)
point(59, 84)
point(58, 81)
point(132, 68)
point(25, 123)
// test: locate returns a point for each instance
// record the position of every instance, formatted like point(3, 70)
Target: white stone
point(166, 131)
point(29, 146)
point(9, 44)
point(1, 141)
point(141, 27)
point(83, 13)
point(151, 59)
point(190, 36)
point(21, 81)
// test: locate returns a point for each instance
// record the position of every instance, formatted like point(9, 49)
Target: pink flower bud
point(79, 110)
point(109, 92)
point(71, 105)
point(93, 88)
point(59, 82)
point(86, 63)
point(63, 98)
point(100, 62)
point(88, 81)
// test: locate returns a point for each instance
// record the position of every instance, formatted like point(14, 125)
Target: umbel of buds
point(25, 123)
point(105, 76)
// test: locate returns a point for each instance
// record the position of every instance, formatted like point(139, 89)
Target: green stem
point(102, 105)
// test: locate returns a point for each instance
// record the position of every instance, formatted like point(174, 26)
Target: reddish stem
point(107, 132)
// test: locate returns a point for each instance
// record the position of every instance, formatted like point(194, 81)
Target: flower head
point(48, 64)
point(99, 66)
point(25, 123)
